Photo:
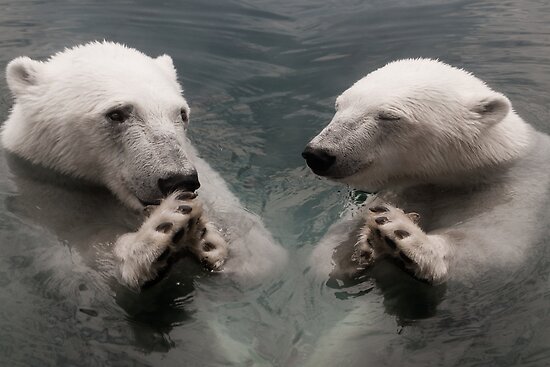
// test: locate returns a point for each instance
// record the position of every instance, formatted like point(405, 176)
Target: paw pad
point(381, 220)
point(400, 234)
point(379, 209)
point(184, 209)
point(164, 227)
point(208, 247)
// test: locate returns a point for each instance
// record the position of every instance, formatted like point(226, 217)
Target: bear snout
point(319, 160)
point(182, 182)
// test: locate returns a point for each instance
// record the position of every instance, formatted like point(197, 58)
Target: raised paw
point(144, 254)
point(193, 232)
point(368, 248)
point(209, 246)
point(365, 252)
point(395, 233)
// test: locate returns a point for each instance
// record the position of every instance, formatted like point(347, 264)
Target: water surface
point(261, 77)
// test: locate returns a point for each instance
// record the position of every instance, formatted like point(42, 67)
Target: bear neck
point(492, 154)
point(497, 149)
point(24, 138)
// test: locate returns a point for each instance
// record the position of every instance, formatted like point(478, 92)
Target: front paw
point(370, 245)
point(142, 255)
point(365, 251)
point(209, 246)
point(400, 237)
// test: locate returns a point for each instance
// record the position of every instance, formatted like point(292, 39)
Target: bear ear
point(22, 73)
point(493, 109)
point(167, 64)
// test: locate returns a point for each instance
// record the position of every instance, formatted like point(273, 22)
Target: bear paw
point(366, 251)
point(389, 231)
point(208, 245)
point(172, 227)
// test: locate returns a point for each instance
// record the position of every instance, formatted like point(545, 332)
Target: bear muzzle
point(179, 182)
point(319, 160)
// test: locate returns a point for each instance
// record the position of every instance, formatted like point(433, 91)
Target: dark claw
point(203, 232)
point(193, 222)
point(405, 258)
point(164, 227)
point(186, 195)
point(178, 236)
point(381, 220)
point(148, 210)
point(390, 243)
point(379, 209)
point(401, 234)
point(164, 255)
point(184, 209)
point(415, 217)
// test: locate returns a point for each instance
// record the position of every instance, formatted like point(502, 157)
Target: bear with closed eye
point(460, 179)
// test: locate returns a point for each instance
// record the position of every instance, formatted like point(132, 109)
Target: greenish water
point(261, 78)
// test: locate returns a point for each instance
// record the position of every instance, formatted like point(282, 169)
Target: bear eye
point(117, 115)
point(184, 115)
point(388, 116)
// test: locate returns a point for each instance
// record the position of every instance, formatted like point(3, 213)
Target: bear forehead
point(413, 79)
point(424, 71)
point(99, 50)
point(108, 60)
point(111, 72)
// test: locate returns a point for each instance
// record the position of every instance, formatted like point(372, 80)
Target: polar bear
point(109, 115)
point(460, 179)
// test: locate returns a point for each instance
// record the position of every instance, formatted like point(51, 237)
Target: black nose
point(319, 160)
point(178, 181)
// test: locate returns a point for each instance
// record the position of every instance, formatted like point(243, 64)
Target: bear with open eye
point(460, 179)
point(116, 118)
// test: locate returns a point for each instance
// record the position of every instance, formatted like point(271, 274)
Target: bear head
point(415, 121)
point(105, 113)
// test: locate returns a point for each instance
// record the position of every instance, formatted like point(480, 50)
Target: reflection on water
point(262, 77)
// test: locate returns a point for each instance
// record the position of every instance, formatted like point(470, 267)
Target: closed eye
point(388, 116)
